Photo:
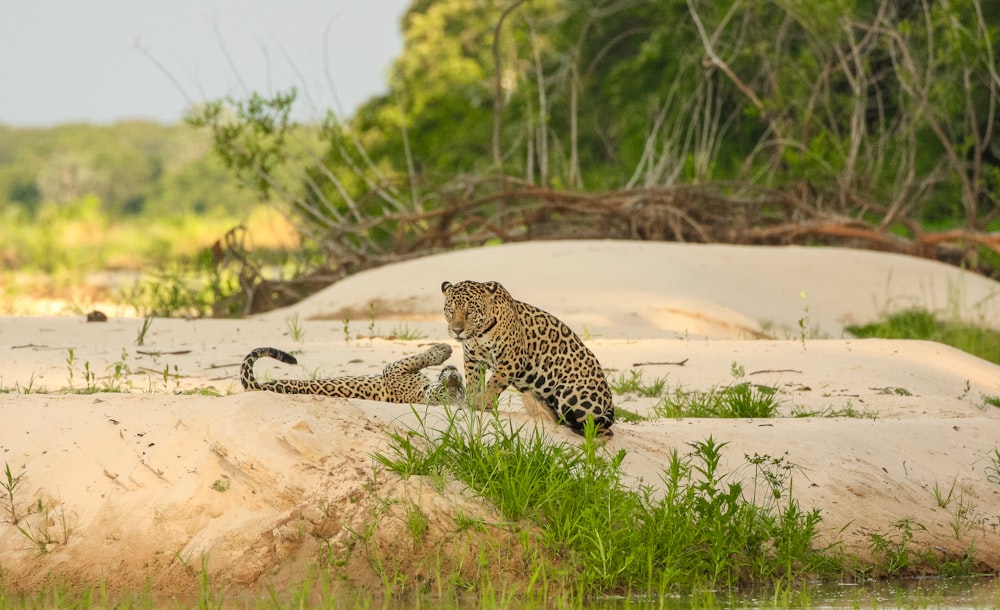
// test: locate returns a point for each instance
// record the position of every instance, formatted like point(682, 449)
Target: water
point(951, 593)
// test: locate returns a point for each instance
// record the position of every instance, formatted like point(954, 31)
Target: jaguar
point(401, 381)
point(530, 349)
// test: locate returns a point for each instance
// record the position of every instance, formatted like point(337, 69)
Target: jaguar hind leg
point(403, 378)
point(448, 389)
point(432, 356)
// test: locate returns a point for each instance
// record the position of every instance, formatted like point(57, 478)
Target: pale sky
point(77, 60)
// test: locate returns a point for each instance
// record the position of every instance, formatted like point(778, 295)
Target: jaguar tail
point(246, 370)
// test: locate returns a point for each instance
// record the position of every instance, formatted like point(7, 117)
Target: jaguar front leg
point(476, 386)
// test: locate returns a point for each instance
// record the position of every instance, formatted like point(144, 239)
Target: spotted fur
point(401, 381)
point(529, 349)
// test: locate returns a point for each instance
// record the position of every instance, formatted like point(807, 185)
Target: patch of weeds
point(209, 595)
point(846, 411)
point(740, 400)
point(964, 565)
point(633, 383)
point(29, 388)
point(167, 376)
point(147, 323)
point(980, 341)
point(417, 521)
point(221, 484)
point(203, 391)
point(116, 381)
point(699, 528)
point(347, 330)
point(191, 289)
point(465, 522)
point(118, 374)
point(624, 415)
point(990, 401)
point(965, 517)
point(993, 468)
point(965, 390)
point(41, 524)
point(10, 484)
point(70, 359)
point(893, 391)
point(894, 552)
point(406, 333)
point(295, 330)
point(943, 500)
point(175, 292)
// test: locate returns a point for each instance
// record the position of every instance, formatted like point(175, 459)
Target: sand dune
point(140, 485)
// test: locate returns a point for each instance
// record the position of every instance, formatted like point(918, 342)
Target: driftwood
point(475, 212)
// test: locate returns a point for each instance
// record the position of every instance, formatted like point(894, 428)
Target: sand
point(179, 470)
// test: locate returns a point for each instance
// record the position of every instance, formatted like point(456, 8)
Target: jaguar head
point(469, 307)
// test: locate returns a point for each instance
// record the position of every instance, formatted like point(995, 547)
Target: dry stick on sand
point(680, 363)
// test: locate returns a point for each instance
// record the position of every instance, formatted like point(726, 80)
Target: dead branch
point(472, 212)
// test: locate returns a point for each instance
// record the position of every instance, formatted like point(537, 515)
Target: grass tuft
point(921, 324)
point(699, 528)
point(739, 400)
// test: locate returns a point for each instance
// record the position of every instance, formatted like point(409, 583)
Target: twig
point(679, 363)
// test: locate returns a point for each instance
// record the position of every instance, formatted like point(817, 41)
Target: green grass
point(699, 527)
point(740, 399)
point(633, 383)
point(921, 324)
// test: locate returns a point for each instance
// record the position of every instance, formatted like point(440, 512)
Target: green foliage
point(131, 168)
point(992, 469)
point(885, 115)
point(699, 528)
point(249, 135)
point(894, 551)
point(977, 340)
point(405, 333)
point(10, 485)
point(739, 400)
point(633, 383)
point(196, 289)
point(846, 411)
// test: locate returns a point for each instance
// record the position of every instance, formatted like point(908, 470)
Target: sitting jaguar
point(529, 349)
point(401, 381)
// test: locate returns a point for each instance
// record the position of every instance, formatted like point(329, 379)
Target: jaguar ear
point(492, 287)
point(445, 286)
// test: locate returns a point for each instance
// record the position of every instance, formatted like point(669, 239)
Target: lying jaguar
point(401, 381)
point(529, 349)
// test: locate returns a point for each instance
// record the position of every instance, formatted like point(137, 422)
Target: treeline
point(132, 169)
point(861, 118)
point(747, 121)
